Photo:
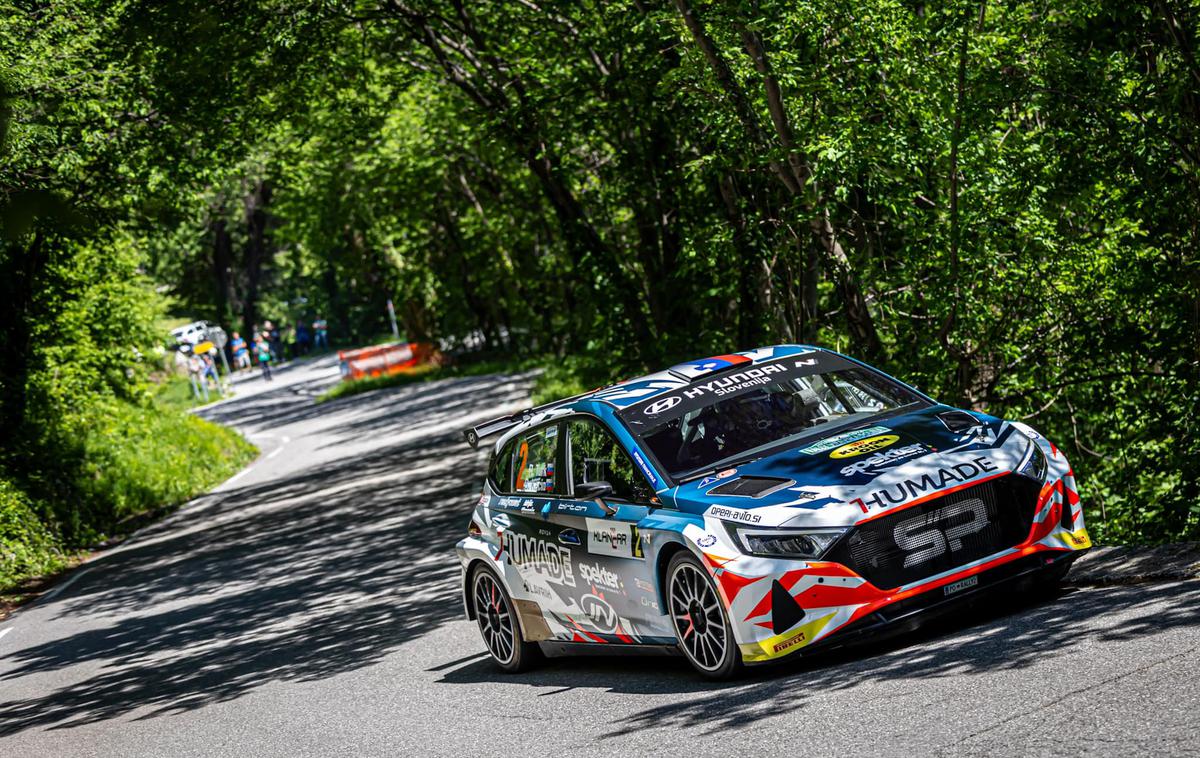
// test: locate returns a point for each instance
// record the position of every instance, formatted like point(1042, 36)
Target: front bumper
point(906, 615)
point(780, 607)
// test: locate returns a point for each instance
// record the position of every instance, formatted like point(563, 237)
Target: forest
point(996, 201)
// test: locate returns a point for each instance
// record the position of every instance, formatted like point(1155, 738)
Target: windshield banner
point(665, 407)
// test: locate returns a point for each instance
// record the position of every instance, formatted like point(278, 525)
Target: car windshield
point(747, 414)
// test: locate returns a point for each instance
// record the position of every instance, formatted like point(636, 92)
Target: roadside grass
point(557, 377)
point(426, 373)
point(132, 464)
point(176, 393)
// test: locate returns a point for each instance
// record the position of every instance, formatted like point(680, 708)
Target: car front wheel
point(701, 625)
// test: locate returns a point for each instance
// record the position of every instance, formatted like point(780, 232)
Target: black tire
point(702, 627)
point(1048, 582)
point(498, 624)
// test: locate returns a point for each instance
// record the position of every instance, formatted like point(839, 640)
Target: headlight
point(1034, 463)
point(788, 543)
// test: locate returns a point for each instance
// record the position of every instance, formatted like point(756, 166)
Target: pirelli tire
point(702, 628)
point(498, 624)
point(1047, 584)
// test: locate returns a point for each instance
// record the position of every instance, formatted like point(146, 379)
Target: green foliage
point(571, 376)
point(996, 201)
point(138, 459)
point(131, 460)
point(27, 548)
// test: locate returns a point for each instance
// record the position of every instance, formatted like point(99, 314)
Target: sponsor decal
point(534, 589)
point(826, 445)
point(613, 538)
point(643, 585)
point(910, 489)
point(594, 573)
point(960, 585)
point(923, 540)
point(740, 380)
point(648, 603)
point(766, 373)
point(661, 406)
point(861, 447)
point(1079, 539)
point(882, 460)
point(600, 612)
point(645, 467)
point(482, 500)
point(734, 514)
point(717, 477)
point(707, 540)
point(541, 556)
point(789, 642)
point(571, 507)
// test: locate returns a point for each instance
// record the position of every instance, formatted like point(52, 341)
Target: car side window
point(500, 472)
point(535, 460)
point(597, 457)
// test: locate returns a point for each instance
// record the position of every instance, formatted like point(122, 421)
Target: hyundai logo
point(666, 404)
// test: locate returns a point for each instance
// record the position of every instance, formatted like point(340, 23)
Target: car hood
point(854, 474)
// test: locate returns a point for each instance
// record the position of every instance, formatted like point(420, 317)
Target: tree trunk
point(222, 264)
point(796, 177)
point(257, 249)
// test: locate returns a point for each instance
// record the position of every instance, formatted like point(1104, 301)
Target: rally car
point(749, 507)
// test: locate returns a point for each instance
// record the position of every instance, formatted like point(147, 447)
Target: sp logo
point(600, 613)
point(940, 531)
point(660, 406)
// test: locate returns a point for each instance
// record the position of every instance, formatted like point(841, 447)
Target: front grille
point(940, 534)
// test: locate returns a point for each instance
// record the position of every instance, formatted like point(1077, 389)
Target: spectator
point(195, 371)
point(303, 338)
point(321, 332)
point(271, 333)
point(241, 353)
point(181, 359)
point(209, 371)
point(262, 351)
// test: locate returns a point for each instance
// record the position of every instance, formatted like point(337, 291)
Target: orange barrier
point(391, 358)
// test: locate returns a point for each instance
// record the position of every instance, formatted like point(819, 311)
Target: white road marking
point(283, 441)
point(239, 475)
point(57, 590)
point(5, 631)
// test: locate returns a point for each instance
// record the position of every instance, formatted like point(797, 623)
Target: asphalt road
point(309, 606)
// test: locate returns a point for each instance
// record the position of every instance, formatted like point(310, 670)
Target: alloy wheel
point(696, 611)
point(495, 617)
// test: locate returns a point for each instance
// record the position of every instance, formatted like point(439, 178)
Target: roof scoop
point(958, 421)
point(751, 486)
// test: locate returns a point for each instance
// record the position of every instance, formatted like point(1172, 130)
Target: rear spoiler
point(504, 423)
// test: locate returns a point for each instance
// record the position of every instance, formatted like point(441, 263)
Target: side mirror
point(593, 490)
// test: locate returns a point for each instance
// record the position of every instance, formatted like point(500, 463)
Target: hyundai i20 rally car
point(750, 507)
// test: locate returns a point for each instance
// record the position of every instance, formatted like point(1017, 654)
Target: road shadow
point(1010, 633)
point(297, 579)
point(333, 568)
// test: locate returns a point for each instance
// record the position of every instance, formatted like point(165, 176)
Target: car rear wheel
point(701, 624)
point(498, 624)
